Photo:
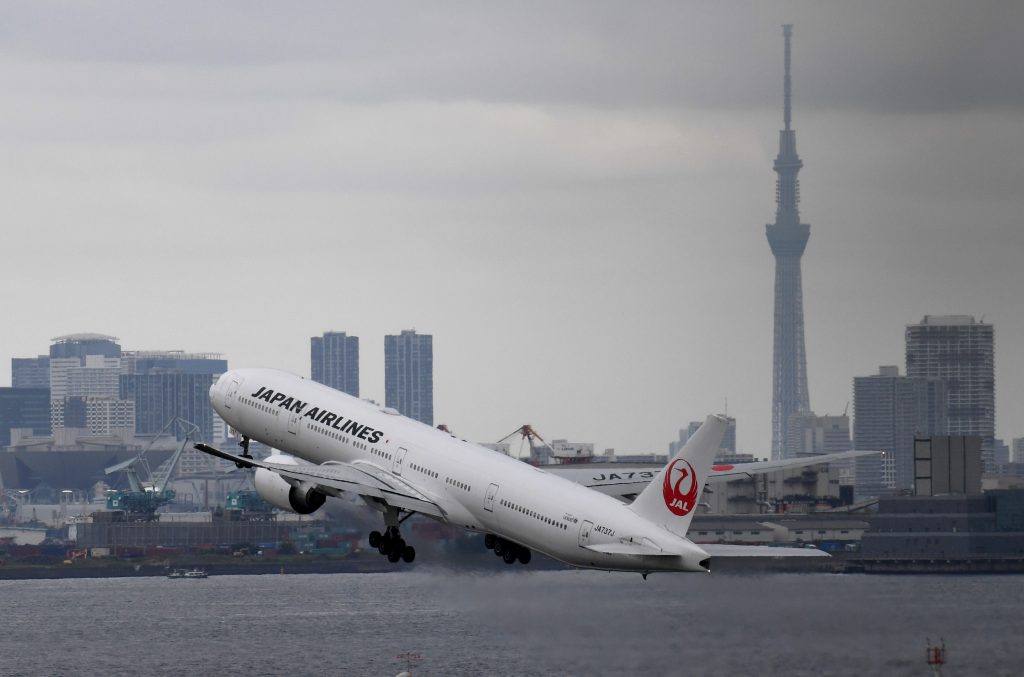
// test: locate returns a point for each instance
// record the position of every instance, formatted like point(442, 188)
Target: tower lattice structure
point(788, 238)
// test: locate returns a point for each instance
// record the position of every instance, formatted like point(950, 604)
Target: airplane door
point(229, 399)
point(293, 423)
point(585, 529)
point(492, 491)
point(399, 458)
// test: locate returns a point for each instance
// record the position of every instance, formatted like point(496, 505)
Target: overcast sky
point(570, 196)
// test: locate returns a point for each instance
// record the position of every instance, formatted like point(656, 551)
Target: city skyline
point(572, 208)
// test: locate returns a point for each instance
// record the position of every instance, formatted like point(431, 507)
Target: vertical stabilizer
point(670, 500)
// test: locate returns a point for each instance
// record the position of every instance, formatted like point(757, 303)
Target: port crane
point(528, 435)
point(141, 500)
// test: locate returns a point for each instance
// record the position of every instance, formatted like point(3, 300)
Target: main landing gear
point(391, 544)
point(507, 550)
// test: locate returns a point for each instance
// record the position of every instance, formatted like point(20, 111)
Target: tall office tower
point(889, 410)
point(334, 361)
point(788, 238)
point(812, 435)
point(409, 375)
point(30, 372)
point(961, 352)
point(80, 345)
point(1017, 450)
point(152, 361)
point(168, 383)
point(24, 408)
point(160, 396)
point(82, 366)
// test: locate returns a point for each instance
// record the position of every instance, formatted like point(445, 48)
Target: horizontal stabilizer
point(628, 549)
point(716, 550)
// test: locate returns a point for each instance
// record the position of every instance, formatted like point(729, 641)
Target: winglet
point(672, 496)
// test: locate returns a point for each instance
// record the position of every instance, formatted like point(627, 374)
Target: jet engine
point(302, 498)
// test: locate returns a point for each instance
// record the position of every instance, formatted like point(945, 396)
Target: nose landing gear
point(245, 450)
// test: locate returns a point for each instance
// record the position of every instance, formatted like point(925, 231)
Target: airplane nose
point(216, 387)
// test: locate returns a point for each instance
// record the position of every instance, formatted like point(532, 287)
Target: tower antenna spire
point(787, 85)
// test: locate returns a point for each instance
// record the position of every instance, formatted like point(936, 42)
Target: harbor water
point(512, 623)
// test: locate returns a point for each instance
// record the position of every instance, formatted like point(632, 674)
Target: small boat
point(176, 573)
point(195, 573)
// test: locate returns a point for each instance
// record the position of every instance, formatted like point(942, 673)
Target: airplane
point(340, 444)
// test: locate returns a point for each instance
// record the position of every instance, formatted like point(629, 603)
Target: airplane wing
point(720, 472)
point(626, 480)
point(722, 550)
point(364, 479)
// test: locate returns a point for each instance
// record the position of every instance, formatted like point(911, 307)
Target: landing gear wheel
point(375, 539)
point(524, 556)
point(509, 556)
point(499, 547)
point(394, 556)
point(489, 541)
point(408, 554)
point(398, 545)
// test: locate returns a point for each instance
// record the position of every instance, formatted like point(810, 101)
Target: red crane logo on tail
point(680, 487)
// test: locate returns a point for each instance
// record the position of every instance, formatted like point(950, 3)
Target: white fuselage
point(477, 488)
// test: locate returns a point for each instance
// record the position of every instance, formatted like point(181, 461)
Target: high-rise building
point(30, 372)
point(162, 395)
point(1017, 450)
point(80, 345)
point(334, 361)
point(171, 383)
point(100, 415)
point(960, 351)
point(152, 361)
point(24, 408)
point(812, 435)
point(889, 410)
point(409, 375)
point(87, 376)
point(788, 238)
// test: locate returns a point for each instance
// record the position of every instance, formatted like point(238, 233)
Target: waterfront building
point(24, 408)
point(409, 375)
point(948, 533)
point(947, 464)
point(787, 237)
point(30, 372)
point(960, 351)
point(334, 361)
point(791, 490)
point(889, 410)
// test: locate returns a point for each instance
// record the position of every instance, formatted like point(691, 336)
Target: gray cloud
point(571, 197)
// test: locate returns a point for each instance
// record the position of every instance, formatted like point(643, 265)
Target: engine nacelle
point(272, 488)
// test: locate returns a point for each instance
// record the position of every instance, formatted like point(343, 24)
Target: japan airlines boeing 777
point(401, 467)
